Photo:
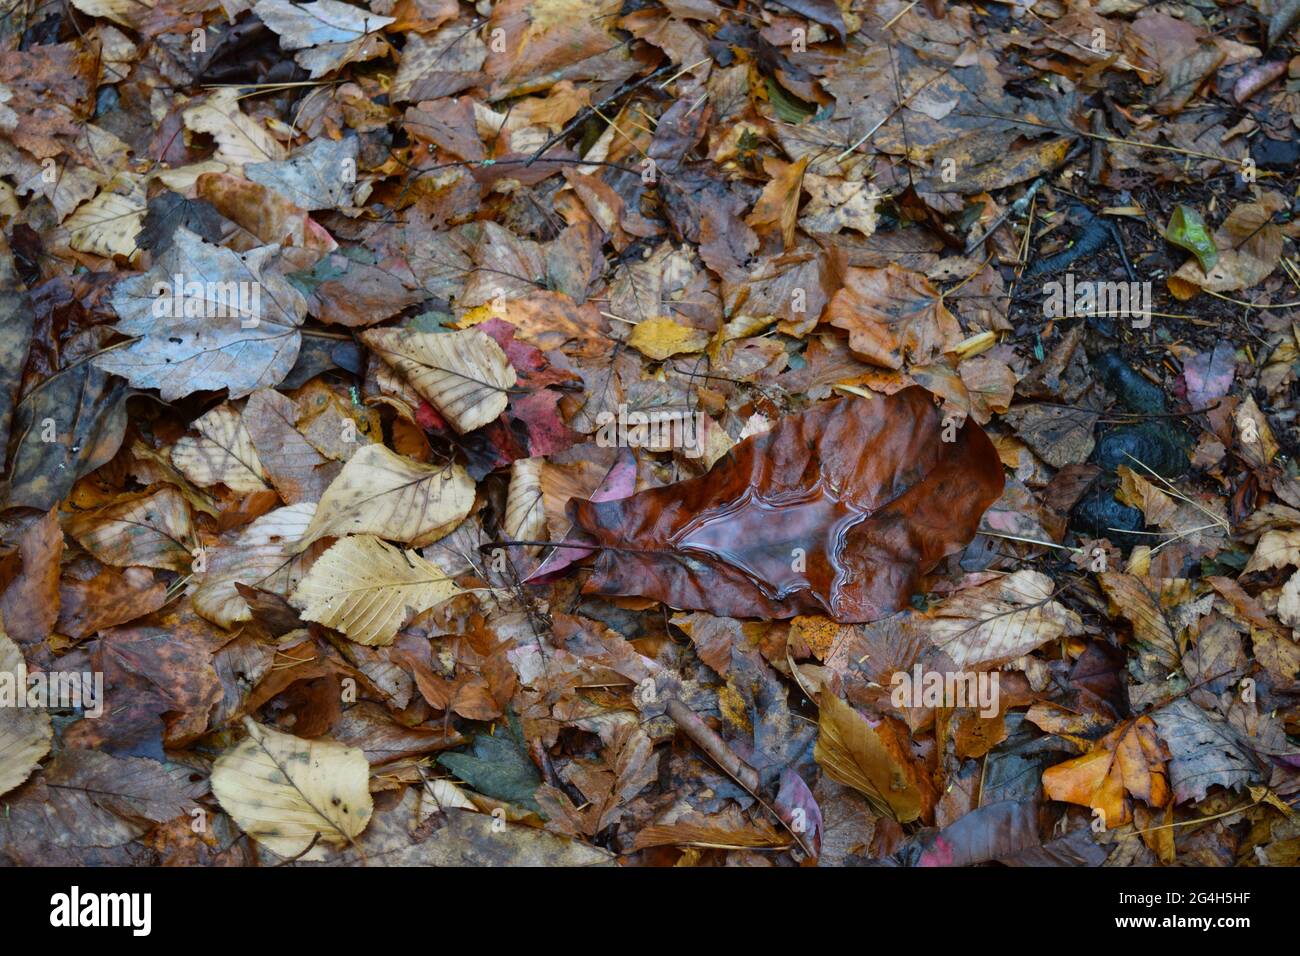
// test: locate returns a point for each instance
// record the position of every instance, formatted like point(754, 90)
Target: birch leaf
point(382, 493)
point(364, 587)
point(465, 375)
point(284, 791)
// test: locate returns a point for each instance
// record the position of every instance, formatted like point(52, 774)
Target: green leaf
point(1188, 231)
point(498, 766)
point(788, 107)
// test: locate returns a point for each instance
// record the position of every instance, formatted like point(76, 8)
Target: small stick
point(712, 744)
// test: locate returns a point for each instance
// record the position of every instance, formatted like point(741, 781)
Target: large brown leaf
point(837, 510)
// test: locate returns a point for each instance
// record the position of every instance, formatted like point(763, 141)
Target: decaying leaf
point(463, 374)
point(851, 752)
point(224, 453)
point(1128, 761)
point(25, 730)
point(261, 556)
point(997, 622)
point(151, 529)
point(232, 324)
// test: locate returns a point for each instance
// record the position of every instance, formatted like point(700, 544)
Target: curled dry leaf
point(364, 587)
point(25, 732)
point(838, 510)
point(285, 792)
point(893, 316)
point(1130, 760)
point(525, 517)
point(1141, 606)
point(223, 453)
point(381, 493)
point(464, 375)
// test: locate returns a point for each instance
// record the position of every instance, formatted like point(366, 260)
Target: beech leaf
point(285, 791)
point(363, 587)
point(382, 493)
point(465, 375)
point(851, 753)
point(25, 732)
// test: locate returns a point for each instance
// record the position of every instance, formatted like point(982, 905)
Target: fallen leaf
point(464, 374)
point(253, 344)
point(894, 317)
point(999, 621)
point(287, 793)
point(1130, 760)
point(25, 731)
point(851, 753)
point(223, 453)
point(365, 588)
point(382, 493)
point(151, 529)
point(838, 510)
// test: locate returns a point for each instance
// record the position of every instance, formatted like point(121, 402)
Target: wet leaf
point(253, 345)
point(838, 510)
point(382, 493)
point(464, 374)
point(851, 753)
point(25, 731)
point(1188, 230)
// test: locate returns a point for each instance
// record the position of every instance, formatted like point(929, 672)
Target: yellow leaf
point(661, 337)
point(223, 454)
point(381, 493)
point(363, 587)
point(25, 732)
point(107, 225)
point(285, 792)
point(465, 374)
point(851, 753)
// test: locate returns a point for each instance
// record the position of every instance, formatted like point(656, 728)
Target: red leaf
point(838, 510)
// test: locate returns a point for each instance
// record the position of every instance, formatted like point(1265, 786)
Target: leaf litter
point(544, 433)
